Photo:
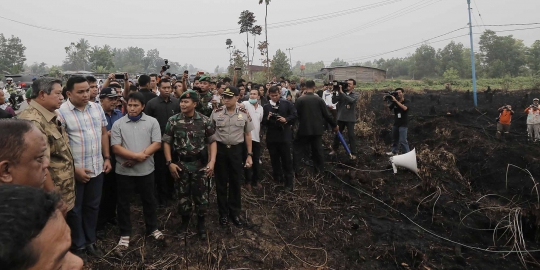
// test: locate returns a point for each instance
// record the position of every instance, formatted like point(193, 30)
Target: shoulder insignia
point(219, 109)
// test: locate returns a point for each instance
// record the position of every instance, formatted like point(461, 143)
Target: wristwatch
point(106, 157)
point(250, 154)
point(169, 162)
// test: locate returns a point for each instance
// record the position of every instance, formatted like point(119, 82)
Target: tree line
point(499, 56)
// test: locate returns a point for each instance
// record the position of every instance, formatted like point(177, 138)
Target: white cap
point(9, 79)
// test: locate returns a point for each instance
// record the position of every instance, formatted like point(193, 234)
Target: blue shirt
point(115, 115)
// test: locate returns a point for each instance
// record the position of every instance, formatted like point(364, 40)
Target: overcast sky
point(373, 27)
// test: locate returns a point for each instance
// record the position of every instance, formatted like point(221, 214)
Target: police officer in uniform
point(189, 133)
point(233, 124)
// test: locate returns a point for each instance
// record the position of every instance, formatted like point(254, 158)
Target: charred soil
point(475, 197)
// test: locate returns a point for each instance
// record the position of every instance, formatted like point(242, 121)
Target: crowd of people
point(72, 160)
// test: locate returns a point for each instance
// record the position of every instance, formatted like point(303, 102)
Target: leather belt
point(228, 145)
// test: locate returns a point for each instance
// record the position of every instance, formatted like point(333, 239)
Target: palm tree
point(267, 2)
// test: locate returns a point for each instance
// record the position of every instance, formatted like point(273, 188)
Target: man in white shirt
point(256, 112)
point(327, 97)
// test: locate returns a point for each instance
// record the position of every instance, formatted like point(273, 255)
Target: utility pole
point(472, 56)
point(290, 57)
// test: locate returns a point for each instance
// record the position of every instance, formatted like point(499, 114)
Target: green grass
point(506, 83)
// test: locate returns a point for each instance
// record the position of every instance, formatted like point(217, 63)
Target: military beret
point(205, 78)
point(190, 94)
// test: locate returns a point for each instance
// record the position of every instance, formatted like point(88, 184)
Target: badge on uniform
point(240, 117)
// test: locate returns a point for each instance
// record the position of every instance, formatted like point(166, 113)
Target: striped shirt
point(84, 132)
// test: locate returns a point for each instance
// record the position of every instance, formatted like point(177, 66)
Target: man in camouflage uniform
point(206, 96)
point(46, 98)
point(189, 133)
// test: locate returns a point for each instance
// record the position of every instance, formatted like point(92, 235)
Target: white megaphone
point(407, 161)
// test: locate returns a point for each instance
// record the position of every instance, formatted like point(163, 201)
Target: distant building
point(359, 73)
point(252, 69)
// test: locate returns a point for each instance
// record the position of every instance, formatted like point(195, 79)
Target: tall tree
point(247, 25)
point(533, 58)
point(280, 65)
point(77, 55)
point(501, 55)
point(256, 31)
point(101, 59)
point(425, 62)
point(12, 55)
point(265, 44)
point(451, 56)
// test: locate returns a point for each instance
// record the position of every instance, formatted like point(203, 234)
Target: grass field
point(506, 83)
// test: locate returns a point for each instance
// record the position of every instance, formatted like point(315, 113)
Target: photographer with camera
point(503, 121)
point(533, 121)
point(278, 116)
point(401, 114)
point(346, 98)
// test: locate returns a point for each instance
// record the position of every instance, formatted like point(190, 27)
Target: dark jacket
point(161, 110)
point(147, 94)
point(312, 115)
point(278, 132)
point(346, 106)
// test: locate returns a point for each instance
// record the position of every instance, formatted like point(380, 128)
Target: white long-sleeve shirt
point(327, 97)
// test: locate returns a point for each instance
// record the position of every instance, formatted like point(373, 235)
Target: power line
point(412, 8)
point(415, 45)
point(214, 32)
point(479, 15)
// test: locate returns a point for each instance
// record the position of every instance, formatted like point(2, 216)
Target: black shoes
point(201, 227)
point(236, 221)
point(94, 251)
point(223, 221)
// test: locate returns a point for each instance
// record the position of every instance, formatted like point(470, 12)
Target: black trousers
point(228, 171)
point(280, 157)
point(164, 181)
point(252, 175)
point(144, 185)
point(109, 197)
point(350, 134)
point(304, 143)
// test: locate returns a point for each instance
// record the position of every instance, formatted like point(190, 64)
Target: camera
point(166, 66)
point(274, 116)
point(119, 76)
point(344, 85)
point(388, 95)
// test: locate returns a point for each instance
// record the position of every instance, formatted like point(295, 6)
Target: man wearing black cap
point(108, 98)
point(162, 108)
point(189, 133)
point(205, 96)
point(233, 124)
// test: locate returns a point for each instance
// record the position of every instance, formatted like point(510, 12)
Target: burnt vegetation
point(474, 204)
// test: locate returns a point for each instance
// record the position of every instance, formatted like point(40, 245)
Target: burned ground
point(472, 189)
